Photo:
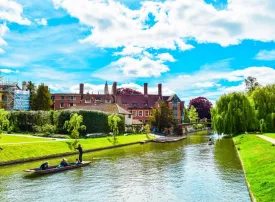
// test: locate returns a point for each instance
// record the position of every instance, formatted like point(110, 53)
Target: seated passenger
point(44, 166)
point(63, 163)
point(77, 161)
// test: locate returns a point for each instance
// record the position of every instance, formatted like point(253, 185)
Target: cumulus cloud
point(12, 11)
point(175, 22)
point(266, 55)
point(8, 71)
point(166, 57)
point(3, 30)
point(41, 21)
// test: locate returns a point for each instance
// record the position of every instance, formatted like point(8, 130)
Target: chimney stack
point(81, 88)
point(160, 89)
point(24, 86)
point(114, 88)
point(145, 86)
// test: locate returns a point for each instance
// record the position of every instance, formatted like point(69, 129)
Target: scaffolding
point(7, 89)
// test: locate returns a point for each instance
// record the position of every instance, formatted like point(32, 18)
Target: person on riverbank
point(79, 148)
point(44, 166)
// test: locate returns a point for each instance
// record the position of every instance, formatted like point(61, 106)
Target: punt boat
point(55, 169)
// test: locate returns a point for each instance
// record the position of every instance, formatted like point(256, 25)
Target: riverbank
point(17, 153)
point(258, 159)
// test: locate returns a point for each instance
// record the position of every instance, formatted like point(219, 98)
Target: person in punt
point(63, 163)
point(77, 162)
point(44, 166)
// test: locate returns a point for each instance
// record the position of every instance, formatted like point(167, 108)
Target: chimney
point(160, 89)
point(145, 88)
point(24, 86)
point(81, 88)
point(114, 89)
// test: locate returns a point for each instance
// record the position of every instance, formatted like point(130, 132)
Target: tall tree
point(113, 122)
point(233, 114)
point(162, 117)
point(251, 84)
point(31, 89)
point(193, 114)
point(42, 99)
point(203, 106)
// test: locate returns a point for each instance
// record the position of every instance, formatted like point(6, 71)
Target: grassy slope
point(258, 157)
point(272, 135)
point(22, 151)
point(15, 139)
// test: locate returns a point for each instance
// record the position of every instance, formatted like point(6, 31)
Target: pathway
point(269, 139)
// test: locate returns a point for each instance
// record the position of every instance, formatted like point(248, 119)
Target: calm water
point(190, 170)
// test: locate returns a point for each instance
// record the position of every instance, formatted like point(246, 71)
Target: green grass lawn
point(272, 135)
point(16, 139)
point(23, 151)
point(258, 157)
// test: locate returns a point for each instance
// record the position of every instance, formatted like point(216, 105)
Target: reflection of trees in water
point(225, 155)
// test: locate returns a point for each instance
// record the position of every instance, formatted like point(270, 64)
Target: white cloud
point(12, 11)
point(175, 22)
point(8, 71)
point(130, 50)
point(129, 67)
point(265, 55)
point(41, 21)
point(3, 30)
point(166, 57)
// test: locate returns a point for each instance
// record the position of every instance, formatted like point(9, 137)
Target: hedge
point(25, 121)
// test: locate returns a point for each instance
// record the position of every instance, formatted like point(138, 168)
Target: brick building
point(139, 104)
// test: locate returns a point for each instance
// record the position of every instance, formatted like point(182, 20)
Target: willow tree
point(264, 102)
point(233, 114)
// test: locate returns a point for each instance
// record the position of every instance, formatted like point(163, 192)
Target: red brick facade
point(140, 105)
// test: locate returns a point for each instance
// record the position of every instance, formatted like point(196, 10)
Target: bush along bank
point(53, 121)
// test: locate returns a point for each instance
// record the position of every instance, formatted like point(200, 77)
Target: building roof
point(140, 101)
point(107, 108)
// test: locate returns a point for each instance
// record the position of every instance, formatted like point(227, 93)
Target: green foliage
point(42, 99)
point(186, 117)
point(198, 126)
point(251, 84)
point(162, 117)
point(262, 126)
point(4, 120)
point(193, 114)
point(147, 129)
point(113, 122)
point(233, 114)
point(31, 88)
point(74, 126)
point(47, 129)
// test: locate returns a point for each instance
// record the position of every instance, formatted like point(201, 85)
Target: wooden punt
point(55, 169)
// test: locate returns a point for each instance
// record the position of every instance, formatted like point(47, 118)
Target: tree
point(113, 122)
point(251, 84)
point(31, 89)
point(74, 126)
point(186, 117)
point(233, 114)
point(262, 126)
point(162, 117)
point(4, 121)
point(193, 114)
point(203, 106)
point(147, 130)
point(42, 100)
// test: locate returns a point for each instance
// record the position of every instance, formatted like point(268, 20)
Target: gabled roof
point(107, 108)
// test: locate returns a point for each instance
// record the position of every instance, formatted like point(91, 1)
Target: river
point(190, 170)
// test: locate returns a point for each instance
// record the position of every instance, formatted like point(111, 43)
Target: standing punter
point(79, 148)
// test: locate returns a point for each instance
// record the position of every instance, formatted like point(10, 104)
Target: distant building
point(139, 104)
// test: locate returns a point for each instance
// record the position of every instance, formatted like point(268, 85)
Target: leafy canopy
point(203, 106)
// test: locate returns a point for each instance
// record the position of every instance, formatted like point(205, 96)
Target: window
point(52, 97)
point(134, 104)
point(146, 113)
point(62, 105)
point(108, 101)
point(134, 113)
point(72, 98)
point(71, 104)
point(129, 116)
point(62, 97)
point(98, 99)
point(88, 100)
point(140, 113)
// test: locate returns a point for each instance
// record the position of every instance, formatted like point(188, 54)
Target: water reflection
point(190, 170)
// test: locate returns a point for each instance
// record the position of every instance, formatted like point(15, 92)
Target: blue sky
point(195, 48)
